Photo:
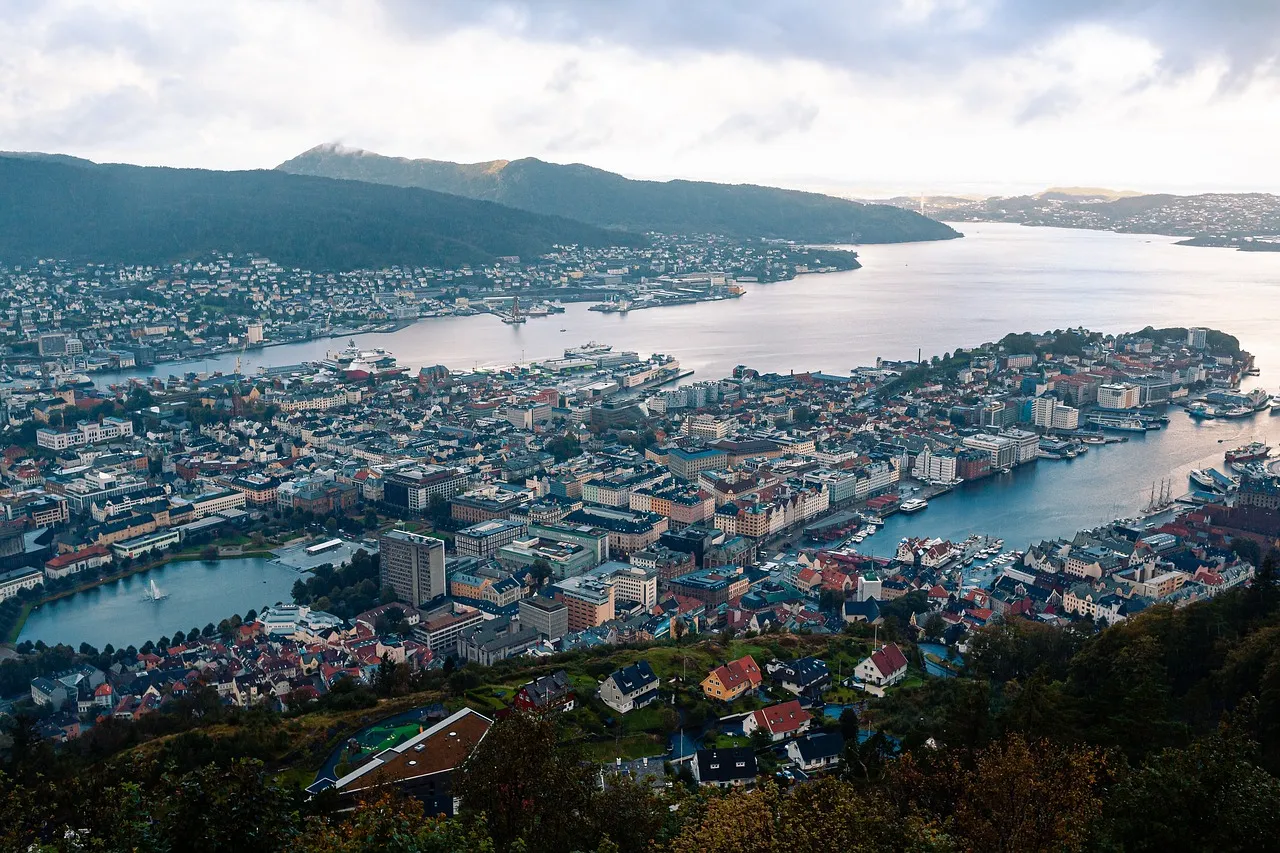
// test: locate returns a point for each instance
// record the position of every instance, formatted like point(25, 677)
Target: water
point(198, 592)
point(933, 296)
point(1051, 498)
point(942, 652)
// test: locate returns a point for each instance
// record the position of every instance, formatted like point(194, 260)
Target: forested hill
point(609, 200)
point(74, 209)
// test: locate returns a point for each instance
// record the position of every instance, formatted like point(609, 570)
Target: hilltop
point(55, 206)
point(609, 200)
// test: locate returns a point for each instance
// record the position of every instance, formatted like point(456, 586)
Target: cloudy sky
point(866, 97)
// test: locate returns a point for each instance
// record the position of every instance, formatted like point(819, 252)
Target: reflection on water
point(198, 592)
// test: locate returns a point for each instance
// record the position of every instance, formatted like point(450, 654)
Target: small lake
point(198, 592)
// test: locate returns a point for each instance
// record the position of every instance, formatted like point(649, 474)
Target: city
point(561, 427)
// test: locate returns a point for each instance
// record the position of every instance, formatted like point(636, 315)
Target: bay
point(931, 297)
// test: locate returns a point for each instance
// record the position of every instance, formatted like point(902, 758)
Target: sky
point(858, 97)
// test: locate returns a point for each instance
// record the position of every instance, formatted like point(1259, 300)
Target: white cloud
point(922, 95)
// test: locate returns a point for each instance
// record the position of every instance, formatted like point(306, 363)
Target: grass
point(724, 741)
point(19, 622)
point(628, 748)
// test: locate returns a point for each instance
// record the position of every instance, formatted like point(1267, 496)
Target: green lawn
point(655, 718)
point(628, 748)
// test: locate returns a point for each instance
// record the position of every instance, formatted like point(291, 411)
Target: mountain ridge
point(609, 200)
point(55, 206)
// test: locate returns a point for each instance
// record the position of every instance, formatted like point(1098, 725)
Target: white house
point(886, 666)
point(630, 687)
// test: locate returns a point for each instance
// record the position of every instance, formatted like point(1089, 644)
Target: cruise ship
point(356, 364)
point(1121, 423)
point(913, 505)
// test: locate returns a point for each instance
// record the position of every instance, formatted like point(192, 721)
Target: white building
point(939, 467)
point(1118, 396)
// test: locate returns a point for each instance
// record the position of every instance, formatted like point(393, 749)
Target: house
point(421, 767)
point(46, 691)
point(887, 665)
point(816, 751)
point(806, 677)
point(732, 680)
point(548, 693)
point(630, 687)
point(780, 721)
point(862, 611)
point(725, 768)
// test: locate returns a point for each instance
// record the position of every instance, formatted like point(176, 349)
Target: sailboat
point(153, 593)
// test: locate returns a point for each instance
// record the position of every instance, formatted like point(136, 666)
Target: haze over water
point(936, 296)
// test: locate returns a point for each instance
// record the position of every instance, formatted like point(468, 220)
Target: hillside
point(1209, 214)
point(609, 200)
point(62, 207)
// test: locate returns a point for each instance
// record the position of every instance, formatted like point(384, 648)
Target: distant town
point(69, 317)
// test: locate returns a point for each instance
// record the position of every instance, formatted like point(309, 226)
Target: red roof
point(736, 671)
point(782, 719)
point(889, 659)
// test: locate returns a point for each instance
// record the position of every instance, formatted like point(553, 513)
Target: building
point(590, 600)
point(1115, 395)
point(549, 693)
point(630, 582)
point(816, 751)
point(412, 565)
point(1002, 451)
point(1026, 445)
point(442, 628)
point(485, 504)
point(780, 721)
point(413, 489)
point(17, 580)
point(495, 640)
point(565, 559)
point(421, 767)
point(710, 586)
point(736, 678)
point(484, 539)
point(884, 667)
point(628, 531)
point(807, 677)
point(730, 767)
point(1197, 337)
point(131, 549)
point(75, 562)
point(548, 616)
point(86, 433)
point(685, 463)
point(593, 539)
point(630, 687)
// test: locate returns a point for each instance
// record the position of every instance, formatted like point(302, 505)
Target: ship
point(587, 350)
point(1120, 423)
point(1212, 480)
point(357, 364)
point(913, 505)
point(1248, 453)
point(153, 593)
point(1202, 411)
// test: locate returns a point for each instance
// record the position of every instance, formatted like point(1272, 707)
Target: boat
point(1121, 423)
point(1250, 452)
point(1237, 412)
point(913, 505)
point(1202, 411)
point(587, 350)
point(357, 364)
point(1202, 479)
point(153, 593)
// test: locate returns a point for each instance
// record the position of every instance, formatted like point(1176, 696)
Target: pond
point(196, 592)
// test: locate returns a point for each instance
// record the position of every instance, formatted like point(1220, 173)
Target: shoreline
point(182, 557)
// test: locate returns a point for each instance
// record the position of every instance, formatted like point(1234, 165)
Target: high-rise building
point(412, 565)
point(1197, 337)
point(254, 333)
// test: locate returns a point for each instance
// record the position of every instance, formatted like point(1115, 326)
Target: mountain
point(609, 200)
point(53, 206)
point(1214, 217)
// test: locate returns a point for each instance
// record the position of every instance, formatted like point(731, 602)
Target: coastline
point(180, 557)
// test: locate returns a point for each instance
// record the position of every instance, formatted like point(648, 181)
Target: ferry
point(1202, 411)
point(1119, 422)
point(587, 350)
point(1248, 453)
point(1201, 478)
point(355, 363)
point(913, 505)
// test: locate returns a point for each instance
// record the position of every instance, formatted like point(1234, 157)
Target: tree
point(530, 786)
point(850, 725)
